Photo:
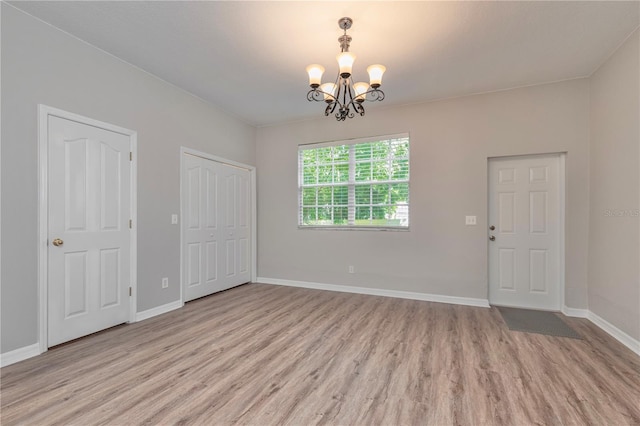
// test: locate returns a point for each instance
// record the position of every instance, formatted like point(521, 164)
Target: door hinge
point(129, 291)
point(130, 155)
point(130, 223)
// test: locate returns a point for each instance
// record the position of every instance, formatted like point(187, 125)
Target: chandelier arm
point(334, 105)
point(358, 108)
point(376, 95)
point(347, 90)
point(318, 95)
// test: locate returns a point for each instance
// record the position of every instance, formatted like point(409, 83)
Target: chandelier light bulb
point(329, 90)
point(361, 90)
point(375, 75)
point(345, 61)
point(315, 72)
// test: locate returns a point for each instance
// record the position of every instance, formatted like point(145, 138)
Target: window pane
point(308, 196)
point(363, 194)
point(324, 214)
point(380, 150)
point(324, 196)
point(341, 154)
point(400, 169)
point(325, 174)
point(308, 157)
point(380, 194)
point(308, 215)
point(309, 175)
point(378, 212)
point(400, 147)
point(380, 170)
point(341, 173)
point(324, 155)
point(363, 213)
point(340, 215)
point(399, 193)
point(340, 195)
point(363, 151)
point(363, 172)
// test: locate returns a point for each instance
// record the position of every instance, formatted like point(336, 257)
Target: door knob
point(57, 242)
point(492, 227)
point(492, 238)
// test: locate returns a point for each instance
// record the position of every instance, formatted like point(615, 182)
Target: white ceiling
point(249, 57)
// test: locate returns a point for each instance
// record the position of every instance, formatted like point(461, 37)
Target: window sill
point(353, 228)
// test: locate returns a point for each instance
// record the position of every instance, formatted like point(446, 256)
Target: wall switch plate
point(165, 282)
point(352, 270)
point(174, 219)
point(470, 220)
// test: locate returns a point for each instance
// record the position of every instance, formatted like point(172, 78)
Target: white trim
point(353, 141)
point(207, 156)
point(254, 209)
point(159, 310)
point(19, 354)
point(44, 112)
point(576, 313)
point(615, 332)
point(133, 242)
point(562, 205)
point(455, 300)
point(254, 226)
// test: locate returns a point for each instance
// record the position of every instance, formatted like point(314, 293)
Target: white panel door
point(524, 253)
point(236, 225)
point(215, 226)
point(89, 176)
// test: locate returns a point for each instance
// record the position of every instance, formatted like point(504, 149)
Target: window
point(355, 184)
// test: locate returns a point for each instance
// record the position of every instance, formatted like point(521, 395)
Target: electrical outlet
point(174, 219)
point(352, 270)
point(165, 282)
point(470, 220)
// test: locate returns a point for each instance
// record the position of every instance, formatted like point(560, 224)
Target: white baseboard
point(576, 313)
point(615, 332)
point(158, 310)
point(19, 354)
point(30, 351)
point(606, 326)
point(468, 301)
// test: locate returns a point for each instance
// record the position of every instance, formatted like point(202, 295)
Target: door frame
point(44, 112)
point(252, 171)
point(562, 200)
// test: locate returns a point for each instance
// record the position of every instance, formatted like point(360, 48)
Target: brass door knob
point(57, 242)
point(492, 238)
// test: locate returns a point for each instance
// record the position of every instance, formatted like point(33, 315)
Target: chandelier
point(344, 97)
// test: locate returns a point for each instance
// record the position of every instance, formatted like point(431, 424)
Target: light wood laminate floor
point(262, 355)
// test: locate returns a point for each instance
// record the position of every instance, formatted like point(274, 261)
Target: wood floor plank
point(270, 355)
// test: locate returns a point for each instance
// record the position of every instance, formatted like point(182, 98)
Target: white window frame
point(352, 183)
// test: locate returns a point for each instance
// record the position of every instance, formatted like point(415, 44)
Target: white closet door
point(236, 225)
point(215, 226)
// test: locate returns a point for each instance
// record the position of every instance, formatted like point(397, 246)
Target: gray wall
point(614, 226)
point(41, 64)
point(450, 143)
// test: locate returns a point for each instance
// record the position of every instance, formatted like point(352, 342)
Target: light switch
point(470, 220)
point(174, 219)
